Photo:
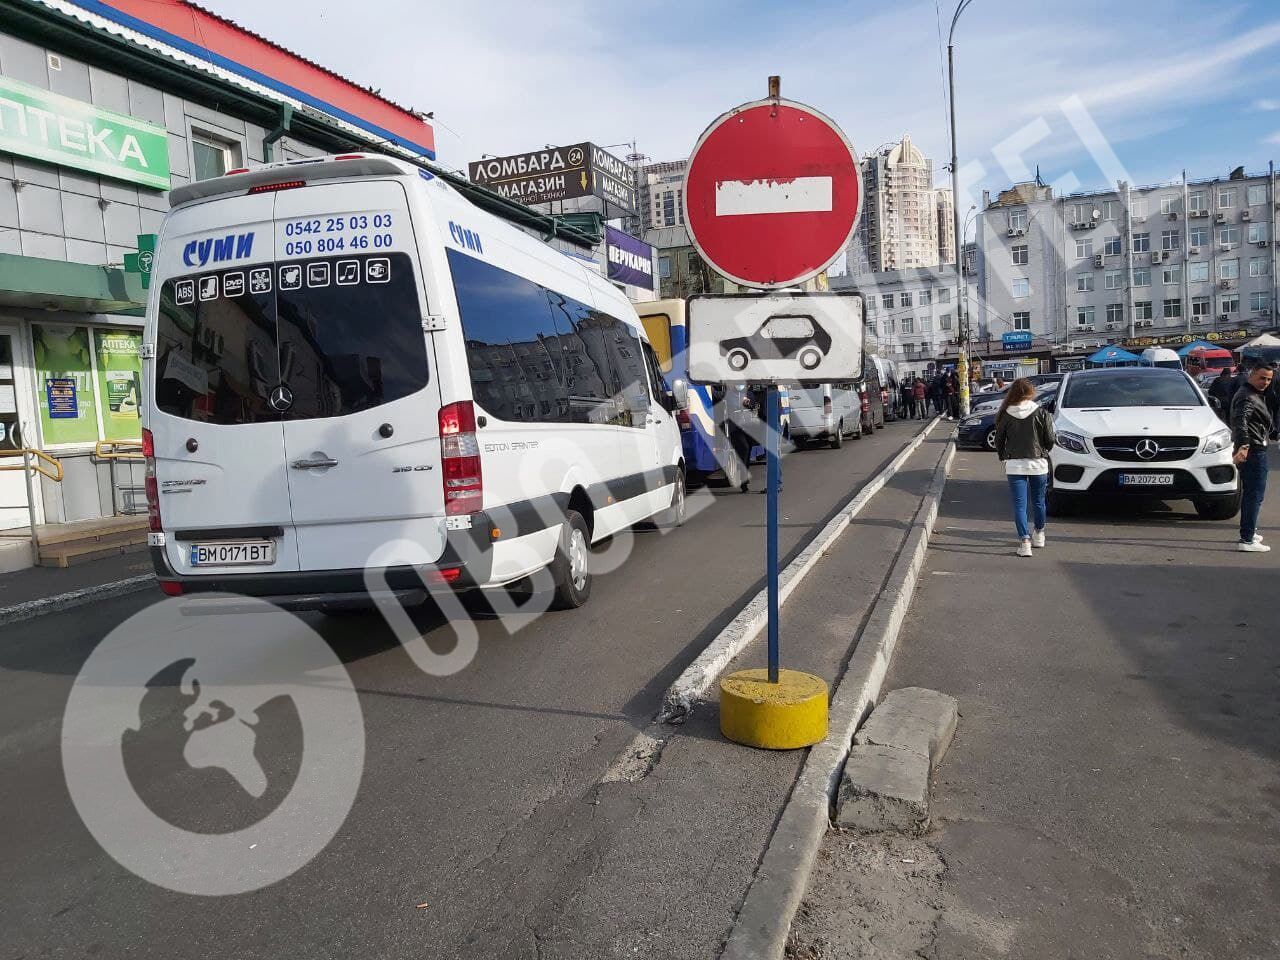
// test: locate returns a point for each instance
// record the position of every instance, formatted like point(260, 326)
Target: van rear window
point(343, 334)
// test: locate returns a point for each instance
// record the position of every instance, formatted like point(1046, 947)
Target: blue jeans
point(1253, 487)
point(1019, 486)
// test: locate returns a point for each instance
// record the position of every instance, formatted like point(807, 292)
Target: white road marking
point(735, 198)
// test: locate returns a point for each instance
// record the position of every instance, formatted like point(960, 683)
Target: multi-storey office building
point(906, 222)
point(1134, 264)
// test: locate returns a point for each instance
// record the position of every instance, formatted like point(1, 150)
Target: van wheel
point(1218, 509)
point(571, 569)
point(837, 438)
point(676, 514)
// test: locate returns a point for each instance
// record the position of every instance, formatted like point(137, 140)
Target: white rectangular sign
point(775, 337)
point(739, 198)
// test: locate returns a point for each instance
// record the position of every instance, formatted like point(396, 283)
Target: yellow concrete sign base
point(785, 715)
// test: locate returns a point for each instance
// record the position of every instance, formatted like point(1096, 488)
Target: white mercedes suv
point(1141, 432)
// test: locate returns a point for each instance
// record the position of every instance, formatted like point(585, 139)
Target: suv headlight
point(1073, 442)
point(972, 422)
point(1217, 441)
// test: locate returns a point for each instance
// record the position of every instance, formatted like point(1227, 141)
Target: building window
point(1258, 267)
point(874, 328)
point(1142, 276)
point(1113, 280)
point(1115, 313)
point(1142, 309)
point(1198, 272)
point(926, 325)
point(1230, 302)
point(1084, 316)
point(1228, 269)
point(1226, 199)
point(1172, 273)
point(1173, 309)
point(1166, 205)
point(1084, 248)
point(1110, 209)
point(886, 300)
point(1084, 282)
point(1021, 287)
point(1198, 200)
point(1199, 306)
point(1080, 212)
point(889, 327)
point(908, 325)
point(1020, 253)
point(944, 322)
point(212, 157)
point(1258, 232)
point(1257, 194)
point(1018, 219)
point(944, 294)
point(1138, 208)
point(1112, 247)
point(1229, 235)
point(926, 297)
point(906, 299)
point(1170, 239)
point(664, 267)
point(1198, 236)
point(1142, 243)
point(1022, 320)
point(1259, 301)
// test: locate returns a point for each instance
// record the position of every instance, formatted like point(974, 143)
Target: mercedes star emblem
point(281, 398)
point(1147, 449)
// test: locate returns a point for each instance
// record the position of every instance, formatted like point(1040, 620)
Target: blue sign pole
point(774, 418)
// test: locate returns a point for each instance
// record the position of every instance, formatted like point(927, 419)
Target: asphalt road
point(1113, 787)
point(479, 796)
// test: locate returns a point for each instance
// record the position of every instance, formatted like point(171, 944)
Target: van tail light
point(826, 406)
point(884, 395)
point(281, 185)
point(150, 484)
point(460, 459)
point(863, 401)
point(682, 418)
point(171, 588)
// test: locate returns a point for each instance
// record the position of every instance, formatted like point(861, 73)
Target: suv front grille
point(1125, 449)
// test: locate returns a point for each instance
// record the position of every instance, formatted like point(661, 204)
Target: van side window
point(657, 383)
point(537, 355)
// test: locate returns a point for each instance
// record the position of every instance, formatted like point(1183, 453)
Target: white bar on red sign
point(737, 198)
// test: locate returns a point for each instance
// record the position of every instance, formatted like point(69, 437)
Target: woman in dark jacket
point(1024, 437)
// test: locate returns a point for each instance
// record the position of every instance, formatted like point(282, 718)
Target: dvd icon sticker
point(233, 284)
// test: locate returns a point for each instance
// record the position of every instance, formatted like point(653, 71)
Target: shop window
point(212, 156)
point(89, 383)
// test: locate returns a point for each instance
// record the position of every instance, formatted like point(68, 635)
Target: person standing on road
point(919, 409)
point(1024, 437)
point(1221, 390)
point(1251, 426)
point(908, 397)
point(952, 389)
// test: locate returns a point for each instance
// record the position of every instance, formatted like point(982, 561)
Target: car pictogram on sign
point(780, 337)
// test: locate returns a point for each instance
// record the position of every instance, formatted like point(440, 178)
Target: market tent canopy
point(1205, 344)
point(1263, 340)
point(1109, 356)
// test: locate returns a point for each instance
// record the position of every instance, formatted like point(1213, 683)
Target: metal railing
point(118, 450)
point(33, 461)
point(131, 496)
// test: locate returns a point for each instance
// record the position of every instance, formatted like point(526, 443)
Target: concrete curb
point(701, 674)
point(761, 927)
point(31, 609)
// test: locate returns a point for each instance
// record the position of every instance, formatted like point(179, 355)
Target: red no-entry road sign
point(772, 193)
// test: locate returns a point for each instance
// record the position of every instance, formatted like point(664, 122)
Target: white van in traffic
point(829, 412)
point(345, 353)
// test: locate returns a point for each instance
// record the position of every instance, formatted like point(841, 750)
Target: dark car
point(780, 337)
point(994, 398)
point(978, 432)
point(871, 397)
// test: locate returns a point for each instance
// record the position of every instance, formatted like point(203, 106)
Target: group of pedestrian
point(939, 393)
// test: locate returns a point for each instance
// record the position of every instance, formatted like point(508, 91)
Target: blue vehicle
point(704, 426)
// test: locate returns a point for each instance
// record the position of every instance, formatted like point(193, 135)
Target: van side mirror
point(680, 393)
point(1216, 404)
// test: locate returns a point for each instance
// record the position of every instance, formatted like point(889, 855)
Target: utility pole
point(962, 307)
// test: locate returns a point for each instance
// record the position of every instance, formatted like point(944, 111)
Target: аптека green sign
point(46, 126)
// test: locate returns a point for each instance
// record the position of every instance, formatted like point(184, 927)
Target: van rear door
point(361, 431)
point(219, 444)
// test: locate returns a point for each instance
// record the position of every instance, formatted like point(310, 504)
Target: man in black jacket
point(1221, 390)
point(1251, 426)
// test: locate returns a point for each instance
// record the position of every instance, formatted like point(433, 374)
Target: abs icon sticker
point(213, 753)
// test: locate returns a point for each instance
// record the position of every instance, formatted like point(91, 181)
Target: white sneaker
point(1257, 538)
point(1024, 548)
point(1037, 538)
point(1254, 547)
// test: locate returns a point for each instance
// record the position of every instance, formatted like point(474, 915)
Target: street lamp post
point(962, 363)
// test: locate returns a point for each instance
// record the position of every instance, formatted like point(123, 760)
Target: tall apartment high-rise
point(660, 196)
point(902, 215)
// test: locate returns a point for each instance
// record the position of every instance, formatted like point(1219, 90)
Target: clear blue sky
point(1169, 85)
